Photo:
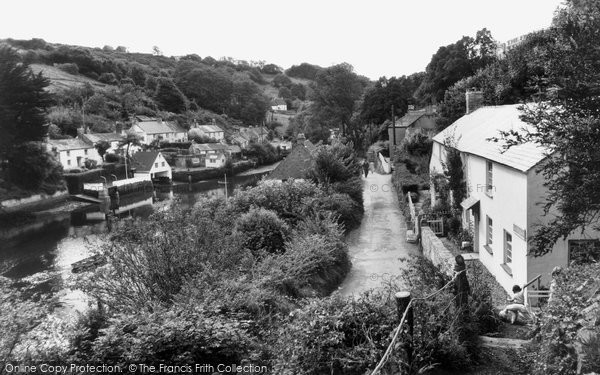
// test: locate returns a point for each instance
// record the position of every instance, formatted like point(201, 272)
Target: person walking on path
point(365, 166)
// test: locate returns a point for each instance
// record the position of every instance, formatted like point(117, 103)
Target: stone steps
point(500, 342)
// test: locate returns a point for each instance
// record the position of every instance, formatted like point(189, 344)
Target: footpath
point(378, 244)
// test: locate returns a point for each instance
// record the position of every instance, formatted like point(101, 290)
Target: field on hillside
point(60, 80)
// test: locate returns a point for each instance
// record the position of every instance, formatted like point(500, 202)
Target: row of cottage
point(73, 153)
point(505, 194)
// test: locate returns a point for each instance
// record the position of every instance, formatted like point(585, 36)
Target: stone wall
point(436, 252)
point(11, 205)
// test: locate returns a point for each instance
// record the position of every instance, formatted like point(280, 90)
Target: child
point(517, 306)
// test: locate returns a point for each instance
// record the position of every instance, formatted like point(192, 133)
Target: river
point(38, 256)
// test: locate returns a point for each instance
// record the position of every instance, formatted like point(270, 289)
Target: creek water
point(38, 256)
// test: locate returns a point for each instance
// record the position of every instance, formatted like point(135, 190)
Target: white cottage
point(150, 163)
point(504, 195)
point(72, 153)
point(152, 129)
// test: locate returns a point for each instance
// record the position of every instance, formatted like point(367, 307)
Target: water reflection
point(39, 255)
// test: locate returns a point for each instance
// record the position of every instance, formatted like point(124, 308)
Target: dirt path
point(376, 246)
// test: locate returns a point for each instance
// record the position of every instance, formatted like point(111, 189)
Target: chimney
point(474, 100)
point(80, 132)
point(118, 128)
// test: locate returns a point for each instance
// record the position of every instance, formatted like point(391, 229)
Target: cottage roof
point(473, 131)
point(209, 128)
point(234, 149)
point(144, 160)
point(98, 137)
point(69, 144)
point(278, 101)
point(208, 147)
point(159, 127)
point(295, 165)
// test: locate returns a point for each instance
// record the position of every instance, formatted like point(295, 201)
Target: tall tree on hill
point(23, 102)
point(567, 123)
point(378, 100)
point(335, 94)
point(454, 62)
point(169, 97)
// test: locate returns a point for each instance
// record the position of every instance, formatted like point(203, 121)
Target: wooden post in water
point(402, 301)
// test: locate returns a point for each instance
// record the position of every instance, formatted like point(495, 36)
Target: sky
point(378, 37)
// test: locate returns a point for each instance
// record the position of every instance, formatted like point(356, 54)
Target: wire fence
point(398, 329)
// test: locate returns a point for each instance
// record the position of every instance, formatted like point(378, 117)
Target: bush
point(262, 230)
point(113, 158)
point(31, 167)
point(418, 144)
point(90, 164)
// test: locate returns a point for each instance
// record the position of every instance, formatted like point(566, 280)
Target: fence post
point(402, 301)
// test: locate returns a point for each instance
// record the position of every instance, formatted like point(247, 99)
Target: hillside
point(61, 80)
point(113, 84)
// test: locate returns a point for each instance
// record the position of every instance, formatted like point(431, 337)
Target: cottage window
point(85, 152)
point(155, 165)
point(163, 163)
point(507, 247)
point(489, 178)
point(68, 153)
point(68, 162)
point(489, 230)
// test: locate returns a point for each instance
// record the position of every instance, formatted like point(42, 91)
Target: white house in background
point(113, 140)
point(72, 153)
point(152, 129)
point(216, 160)
point(150, 163)
point(211, 131)
point(278, 104)
point(504, 195)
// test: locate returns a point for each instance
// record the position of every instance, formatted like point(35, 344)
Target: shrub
point(418, 144)
point(262, 230)
point(31, 167)
point(90, 164)
point(113, 158)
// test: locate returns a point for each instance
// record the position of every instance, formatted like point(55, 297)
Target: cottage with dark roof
point(150, 163)
point(414, 121)
point(295, 166)
point(278, 104)
point(505, 195)
point(158, 130)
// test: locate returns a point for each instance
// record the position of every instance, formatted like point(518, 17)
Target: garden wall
point(436, 252)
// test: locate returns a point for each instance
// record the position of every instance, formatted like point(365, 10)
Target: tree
point(23, 102)
point(32, 167)
point(169, 97)
point(131, 138)
point(156, 51)
point(102, 147)
point(567, 124)
point(336, 91)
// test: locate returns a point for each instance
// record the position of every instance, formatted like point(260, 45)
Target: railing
point(537, 294)
point(398, 329)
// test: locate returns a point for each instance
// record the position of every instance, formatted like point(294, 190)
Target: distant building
point(414, 121)
point(207, 148)
point(503, 48)
point(152, 129)
point(72, 153)
point(254, 134)
point(278, 104)
point(150, 163)
point(216, 160)
point(210, 131)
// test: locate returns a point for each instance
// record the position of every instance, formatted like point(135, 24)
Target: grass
point(60, 80)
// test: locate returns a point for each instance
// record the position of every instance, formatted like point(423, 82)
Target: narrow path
point(377, 245)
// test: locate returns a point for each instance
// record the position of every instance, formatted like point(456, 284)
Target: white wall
point(506, 206)
point(92, 154)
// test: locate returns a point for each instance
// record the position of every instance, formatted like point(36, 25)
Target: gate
point(437, 226)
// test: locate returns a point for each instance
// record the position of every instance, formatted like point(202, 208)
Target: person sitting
point(517, 306)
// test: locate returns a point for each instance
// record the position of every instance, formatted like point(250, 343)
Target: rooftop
point(295, 165)
point(159, 127)
point(69, 144)
point(209, 128)
point(472, 135)
point(144, 160)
